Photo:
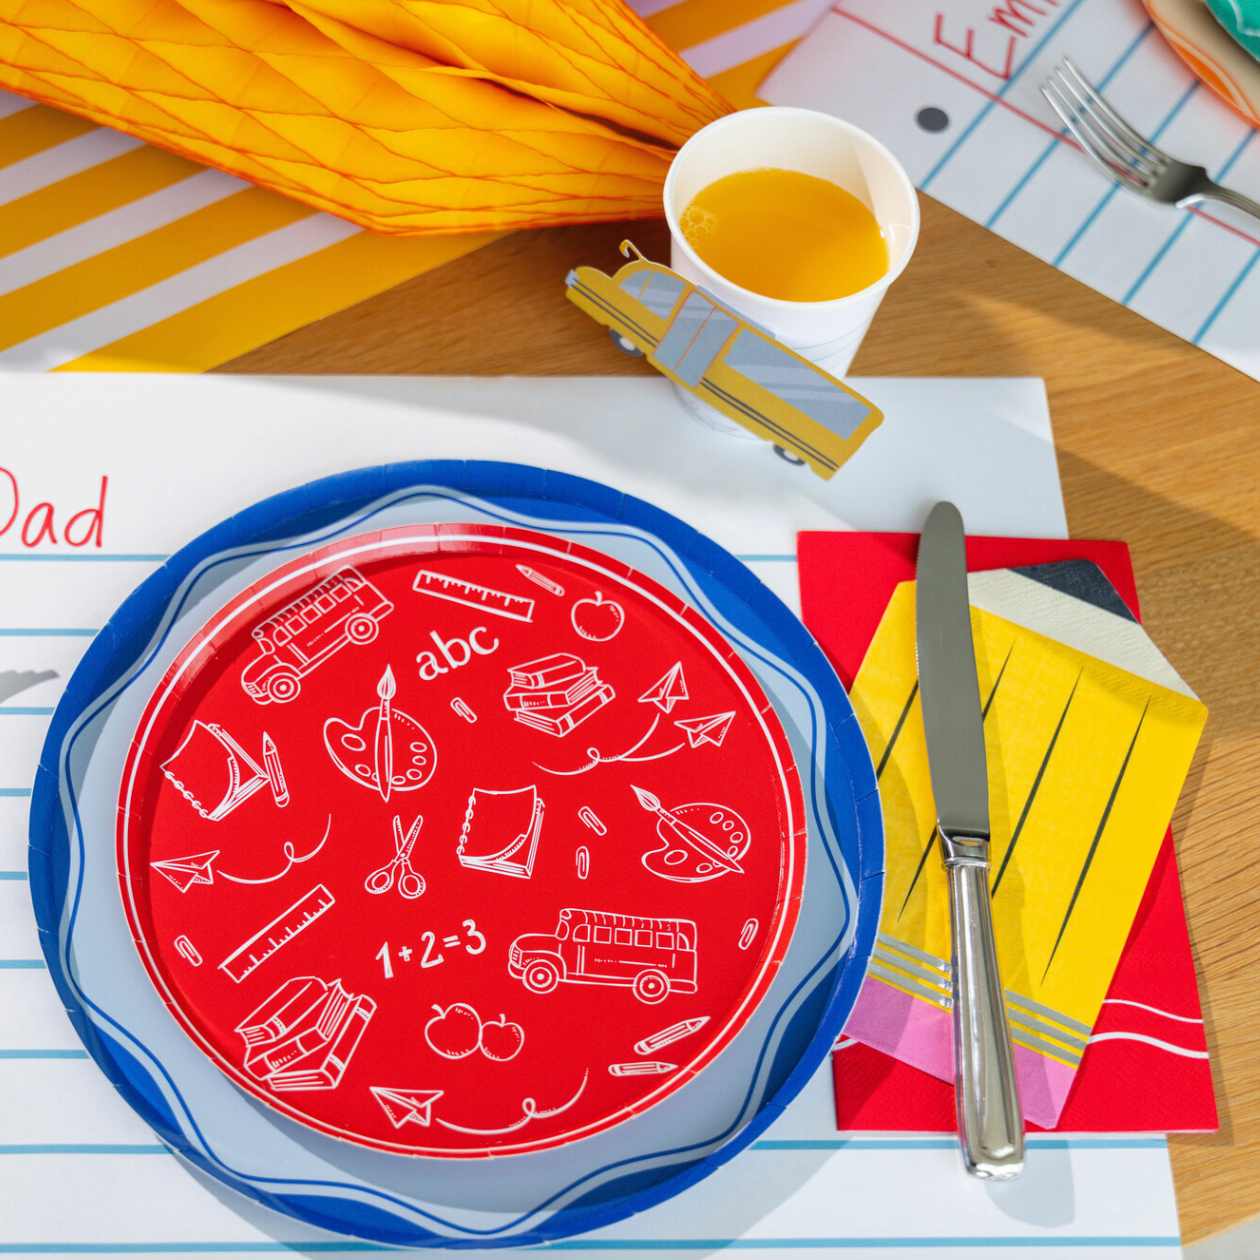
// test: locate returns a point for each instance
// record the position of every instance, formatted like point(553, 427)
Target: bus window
point(294, 624)
point(581, 933)
point(353, 581)
point(325, 602)
point(623, 936)
point(643, 938)
point(682, 941)
point(562, 932)
point(603, 935)
point(665, 940)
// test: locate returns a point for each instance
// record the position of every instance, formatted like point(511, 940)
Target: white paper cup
point(783, 138)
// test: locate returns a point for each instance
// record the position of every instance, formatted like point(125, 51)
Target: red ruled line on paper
point(1014, 109)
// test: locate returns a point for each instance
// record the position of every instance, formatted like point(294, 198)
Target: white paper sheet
point(1000, 157)
point(80, 1173)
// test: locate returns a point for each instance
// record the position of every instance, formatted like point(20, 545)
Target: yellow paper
point(1086, 761)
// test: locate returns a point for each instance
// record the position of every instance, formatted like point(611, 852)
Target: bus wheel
point(361, 629)
point(541, 976)
point(789, 456)
point(651, 987)
point(283, 687)
point(624, 344)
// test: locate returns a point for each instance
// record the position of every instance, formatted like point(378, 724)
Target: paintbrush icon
point(689, 836)
point(384, 747)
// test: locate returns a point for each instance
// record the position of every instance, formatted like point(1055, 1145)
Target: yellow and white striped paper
point(117, 256)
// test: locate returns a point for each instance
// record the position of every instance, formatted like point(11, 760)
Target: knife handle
point(990, 1125)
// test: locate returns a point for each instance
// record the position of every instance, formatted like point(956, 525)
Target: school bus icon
point(734, 366)
point(654, 957)
point(345, 608)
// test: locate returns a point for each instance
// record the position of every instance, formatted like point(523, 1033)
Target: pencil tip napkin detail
point(1089, 734)
point(408, 117)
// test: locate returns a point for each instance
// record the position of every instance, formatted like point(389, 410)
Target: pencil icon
point(275, 772)
point(649, 1068)
point(546, 583)
point(667, 1036)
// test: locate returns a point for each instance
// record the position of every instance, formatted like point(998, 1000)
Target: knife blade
point(990, 1126)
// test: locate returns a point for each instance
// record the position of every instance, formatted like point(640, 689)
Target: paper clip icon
point(186, 949)
point(461, 707)
point(591, 819)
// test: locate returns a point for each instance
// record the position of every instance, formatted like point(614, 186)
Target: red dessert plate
point(455, 840)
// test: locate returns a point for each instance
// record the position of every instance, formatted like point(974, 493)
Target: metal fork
point(1126, 157)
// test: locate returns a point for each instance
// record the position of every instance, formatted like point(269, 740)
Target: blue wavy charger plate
point(409, 1201)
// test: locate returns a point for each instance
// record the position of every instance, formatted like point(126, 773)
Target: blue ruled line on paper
point(797, 1244)
point(1106, 200)
point(82, 1148)
point(781, 559)
point(22, 964)
point(195, 1248)
point(106, 557)
point(33, 632)
point(13, 875)
point(43, 1054)
point(1225, 298)
point(951, 1143)
point(15, 710)
point(1175, 235)
point(1050, 148)
point(15, 791)
point(610, 1244)
point(990, 105)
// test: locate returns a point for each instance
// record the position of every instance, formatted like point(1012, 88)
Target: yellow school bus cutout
point(723, 360)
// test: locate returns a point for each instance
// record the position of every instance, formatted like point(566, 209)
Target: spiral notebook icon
point(212, 771)
point(500, 831)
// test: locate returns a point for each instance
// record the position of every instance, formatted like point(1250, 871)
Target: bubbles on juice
point(695, 221)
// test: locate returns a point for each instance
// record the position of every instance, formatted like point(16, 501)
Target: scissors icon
point(410, 885)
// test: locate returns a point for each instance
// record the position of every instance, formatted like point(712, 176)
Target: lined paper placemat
point(80, 1173)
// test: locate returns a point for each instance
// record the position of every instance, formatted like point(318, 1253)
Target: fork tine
point(1119, 157)
point(1100, 104)
point(1118, 174)
point(1117, 142)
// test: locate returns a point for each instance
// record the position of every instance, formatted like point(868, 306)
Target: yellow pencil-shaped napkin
point(1089, 735)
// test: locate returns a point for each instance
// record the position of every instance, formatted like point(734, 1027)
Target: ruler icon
point(280, 931)
point(500, 603)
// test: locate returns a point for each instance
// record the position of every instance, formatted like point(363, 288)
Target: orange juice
point(786, 235)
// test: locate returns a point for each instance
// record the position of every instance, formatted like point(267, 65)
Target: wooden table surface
point(1159, 444)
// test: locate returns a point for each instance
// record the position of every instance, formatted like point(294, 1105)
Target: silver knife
point(990, 1125)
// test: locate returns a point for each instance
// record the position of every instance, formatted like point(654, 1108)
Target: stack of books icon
point(303, 1035)
point(555, 693)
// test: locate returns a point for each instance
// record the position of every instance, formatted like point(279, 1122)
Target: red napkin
point(1146, 1069)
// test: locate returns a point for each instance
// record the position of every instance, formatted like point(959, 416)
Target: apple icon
point(500, 1040)
point(455, 1032)
point(598, 619)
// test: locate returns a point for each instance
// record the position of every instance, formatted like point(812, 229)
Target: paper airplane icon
point(706, 730)
point(668, 690)
point(401, 1105)
point(184, 872)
